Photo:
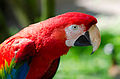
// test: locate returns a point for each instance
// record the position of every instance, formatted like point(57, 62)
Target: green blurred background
point(78, 63)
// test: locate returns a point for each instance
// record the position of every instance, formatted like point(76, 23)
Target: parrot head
point(78, 29)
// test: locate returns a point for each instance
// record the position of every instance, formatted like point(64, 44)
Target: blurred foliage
point(79, 64)
point(3, 29)
point(17, 14)
point(47, 9)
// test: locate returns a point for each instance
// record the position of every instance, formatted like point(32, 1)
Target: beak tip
point(92, 52)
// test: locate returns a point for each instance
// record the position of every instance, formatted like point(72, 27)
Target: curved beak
point(90, 37)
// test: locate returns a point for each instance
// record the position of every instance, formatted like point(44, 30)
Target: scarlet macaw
point(33, 53)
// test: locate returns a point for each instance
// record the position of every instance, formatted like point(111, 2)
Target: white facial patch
point(73, 32)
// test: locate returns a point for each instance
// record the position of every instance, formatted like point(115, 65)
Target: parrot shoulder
point(23, 48)
point(16, 54)
point(19, 48)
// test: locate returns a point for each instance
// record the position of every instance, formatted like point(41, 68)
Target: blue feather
point(21, 73)
point(8, 76)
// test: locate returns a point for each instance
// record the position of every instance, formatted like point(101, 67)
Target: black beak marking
point(83, 40)
point(92, 52)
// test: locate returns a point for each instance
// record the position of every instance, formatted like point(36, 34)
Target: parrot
point(34, 52)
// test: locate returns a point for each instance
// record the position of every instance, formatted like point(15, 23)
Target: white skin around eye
point(73, 32)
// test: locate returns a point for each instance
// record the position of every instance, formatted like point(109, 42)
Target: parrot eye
point(74, 27)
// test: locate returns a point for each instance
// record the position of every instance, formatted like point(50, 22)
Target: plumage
point(36, 47)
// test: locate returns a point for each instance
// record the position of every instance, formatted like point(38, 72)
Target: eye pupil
point(74, 27)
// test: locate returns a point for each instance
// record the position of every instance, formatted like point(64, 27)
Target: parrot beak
point(90, 37)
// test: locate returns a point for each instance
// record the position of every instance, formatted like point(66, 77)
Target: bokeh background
point(78, 63)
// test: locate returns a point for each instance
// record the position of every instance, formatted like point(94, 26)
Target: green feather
point(6, 70)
